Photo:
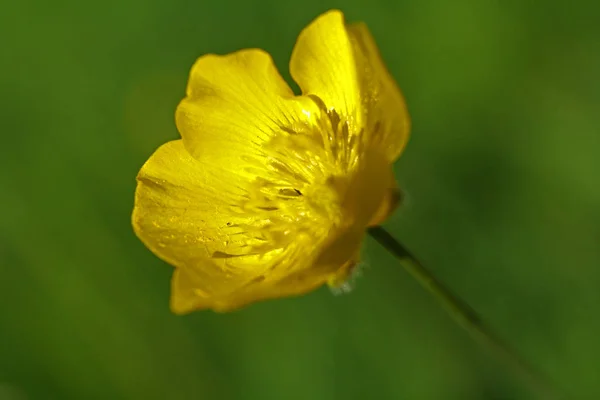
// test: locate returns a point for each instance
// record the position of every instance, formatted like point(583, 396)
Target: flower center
point(315, 176)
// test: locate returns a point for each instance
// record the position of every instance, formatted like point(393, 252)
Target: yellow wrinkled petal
point(186, 297)
point(322, 63)
point(352, 79)
point(235, 104)
point(183, 213)
point(387, 115)
point(331, 264)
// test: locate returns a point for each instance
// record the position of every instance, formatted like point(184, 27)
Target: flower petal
point(313, 268)
point(186, 297)
point(183, 214)
point(341, 64)
point(235, 103)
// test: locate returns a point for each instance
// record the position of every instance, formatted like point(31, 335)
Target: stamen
point(302, 176)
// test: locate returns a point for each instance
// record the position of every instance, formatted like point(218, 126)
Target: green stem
point(463, 314)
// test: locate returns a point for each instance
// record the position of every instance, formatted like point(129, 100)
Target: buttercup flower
point(269, 194)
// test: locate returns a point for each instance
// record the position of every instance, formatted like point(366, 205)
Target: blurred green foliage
point(502, 174)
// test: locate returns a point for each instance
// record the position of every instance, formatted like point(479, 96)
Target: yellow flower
point(269, 194)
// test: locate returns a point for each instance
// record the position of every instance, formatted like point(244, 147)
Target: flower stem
point(464, 315)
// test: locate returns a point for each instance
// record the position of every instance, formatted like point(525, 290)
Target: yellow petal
point(314, 267)
point(186, 297)
point(183, 213)
point(341, 64)
point(234, 104)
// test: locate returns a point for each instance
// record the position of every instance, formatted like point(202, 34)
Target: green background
point(502, 175)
